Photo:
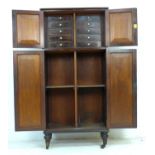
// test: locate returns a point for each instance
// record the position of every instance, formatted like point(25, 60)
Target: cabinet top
point(75, 9)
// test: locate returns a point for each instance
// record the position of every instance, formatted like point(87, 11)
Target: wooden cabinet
point(68, 76)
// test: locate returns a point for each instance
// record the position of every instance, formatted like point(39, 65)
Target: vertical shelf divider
point(75, 74)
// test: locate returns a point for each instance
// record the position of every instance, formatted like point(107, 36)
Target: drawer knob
point(60, 44)
point(88, 30)
point(60, 24)
point(60, 18)
point(60, 38)
point(60, 31)
point(88, 24)
point(88, 37)
point(88, 44)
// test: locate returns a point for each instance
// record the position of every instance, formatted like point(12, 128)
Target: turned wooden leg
point(104, 136)
point(47, 137)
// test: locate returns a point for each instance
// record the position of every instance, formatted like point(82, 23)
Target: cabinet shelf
point(81, 127)
point(61, 86)
point(92, 86)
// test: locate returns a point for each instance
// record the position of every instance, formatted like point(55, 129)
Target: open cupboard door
point(121, 88)
point(29, 90)
point(27, 28)
point(122, 27)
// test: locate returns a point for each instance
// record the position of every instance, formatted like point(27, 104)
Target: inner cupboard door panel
point(121, 88)
point(122, 27)
point(27, 28)
point(29, 90)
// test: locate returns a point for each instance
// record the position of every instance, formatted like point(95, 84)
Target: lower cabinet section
point(75, 91)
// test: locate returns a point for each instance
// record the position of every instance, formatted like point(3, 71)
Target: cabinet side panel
point(120, 95)
point(28, 91)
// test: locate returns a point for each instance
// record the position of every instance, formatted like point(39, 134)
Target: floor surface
point(83, 147)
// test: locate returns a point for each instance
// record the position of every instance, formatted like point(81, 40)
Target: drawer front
point(87, 25)
point(89, 44)
point(59, 31)
point(85, 37)
point(89, 18)
point(60, 38)
point(88, 31)
point(61, 24)
point(59, 18)
point(60, 44)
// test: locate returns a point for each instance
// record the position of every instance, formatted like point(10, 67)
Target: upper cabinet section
point(27, 28)
point(122, 27)
point(74, 28)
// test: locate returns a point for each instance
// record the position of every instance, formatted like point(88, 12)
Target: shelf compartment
point(59, 69)
point(60, 108)
point(91, 68)
point(91, 107)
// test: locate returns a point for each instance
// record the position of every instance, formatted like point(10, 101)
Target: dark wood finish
point(104, 136)
point(91, 106)
point(123, 27)
point(75, 89)
point(47, 137)
point(91, 68)
point(76, 83)
point(27, 28)
point(59, 69)
point(89, 30)
point(59, 30)
point(121, 88)
point(29, 90)
point(60, 108)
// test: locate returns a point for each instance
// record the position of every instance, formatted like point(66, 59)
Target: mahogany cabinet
point(71, 73)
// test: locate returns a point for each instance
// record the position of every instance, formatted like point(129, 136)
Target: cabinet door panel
point(123, 27)
point(29, 96)
point(27, 28)
point(121, 69)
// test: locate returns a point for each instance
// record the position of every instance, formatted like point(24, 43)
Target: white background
point(145, 67)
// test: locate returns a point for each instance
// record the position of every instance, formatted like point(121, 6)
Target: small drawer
point(60, 37)
point(86, 24)
point(60, 31)
point(89, 44)
point(90, 18)
point(59, 44)
point(83, 37)
point(63, 24)
point(59, 18)
point(88, 31)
